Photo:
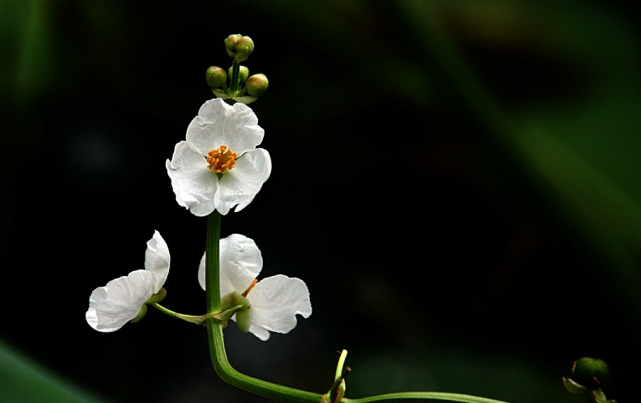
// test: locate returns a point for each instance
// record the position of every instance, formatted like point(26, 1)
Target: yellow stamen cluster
point(221, 159)
point(250, 287)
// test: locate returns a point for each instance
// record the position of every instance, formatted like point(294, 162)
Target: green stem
point(188, 318)
point(223, 316)
point(212, 263)
point(442, 396)
point(266, 389)
point(235, 79)
point(244, 382)
point(215, 331)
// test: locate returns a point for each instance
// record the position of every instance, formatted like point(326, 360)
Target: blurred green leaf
point(581, 160)
point(23, 380)
point(31, 66)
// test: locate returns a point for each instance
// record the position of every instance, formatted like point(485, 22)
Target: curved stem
point(188, 318)
point(442, 396)
point(266, 389)
point(215, 331)
point(247, 383)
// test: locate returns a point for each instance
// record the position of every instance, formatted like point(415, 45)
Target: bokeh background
point(456, 182)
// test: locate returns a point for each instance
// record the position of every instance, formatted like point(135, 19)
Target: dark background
point(457, 184)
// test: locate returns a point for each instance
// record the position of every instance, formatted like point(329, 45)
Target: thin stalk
point(188, 318)
point(234, 79)
point(442, 396)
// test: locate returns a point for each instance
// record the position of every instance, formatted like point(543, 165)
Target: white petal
point(258, 331)
point(240, 263)
point(239, 185)
point(112, 306)
point(157, 260)
point(194, 184)
point(275, 302)
point(219, 123)
point(201, 272)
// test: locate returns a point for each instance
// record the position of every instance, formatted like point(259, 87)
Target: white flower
point(112, 306)
point(219, 166)
point(275, 301)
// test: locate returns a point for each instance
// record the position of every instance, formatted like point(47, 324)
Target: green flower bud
point(230, 44)
point(592, 373)
point(141, 314)
point(239, 47)
point(242, 71)
point(243, 48)
point(216, 76)
point(257, 85)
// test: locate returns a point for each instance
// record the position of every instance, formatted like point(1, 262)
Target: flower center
point(250, 287)
point(221, 159)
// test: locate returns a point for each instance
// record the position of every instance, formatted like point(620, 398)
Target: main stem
point(215, 331)
point(212, 263)
point(266, 389)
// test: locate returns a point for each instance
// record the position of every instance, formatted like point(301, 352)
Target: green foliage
point(24, 380)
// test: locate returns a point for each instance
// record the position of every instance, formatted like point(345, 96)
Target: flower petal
point(275, 302)
point(218, 123)
point(240, 263)
point(112, 306)
point(157, 260)
point(194, 184)
point(239, 186)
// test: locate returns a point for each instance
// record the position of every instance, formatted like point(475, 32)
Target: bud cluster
point(235, 84)
point(239, 47)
